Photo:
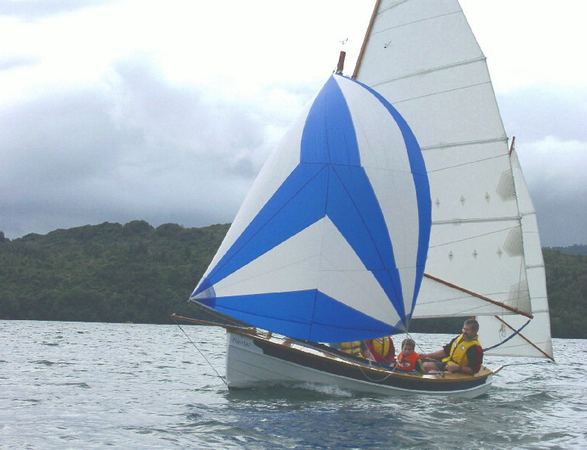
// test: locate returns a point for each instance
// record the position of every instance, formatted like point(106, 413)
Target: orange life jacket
point(407, 363)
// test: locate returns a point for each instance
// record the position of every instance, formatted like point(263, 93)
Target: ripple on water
point(78, 395)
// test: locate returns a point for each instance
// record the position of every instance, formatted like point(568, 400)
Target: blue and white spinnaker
point(330, 244)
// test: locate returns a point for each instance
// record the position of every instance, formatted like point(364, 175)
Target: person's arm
point(434, 355)
point(475, 358)
point(440, 353)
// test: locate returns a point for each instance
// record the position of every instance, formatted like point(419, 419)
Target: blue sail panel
point(301, 315)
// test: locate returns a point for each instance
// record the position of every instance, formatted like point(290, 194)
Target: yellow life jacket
point(352, 348)
point(381, 347)
point(458, 351)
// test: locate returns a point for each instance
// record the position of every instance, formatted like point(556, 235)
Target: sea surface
point(96, 385)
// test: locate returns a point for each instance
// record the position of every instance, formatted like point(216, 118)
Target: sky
point(165, 110)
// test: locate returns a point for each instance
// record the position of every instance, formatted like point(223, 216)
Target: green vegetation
point(137, 273)
point(566, 281)
point(105, 273)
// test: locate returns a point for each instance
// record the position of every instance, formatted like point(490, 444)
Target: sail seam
point(460, 88)
point(478, 220)
point(431, 70)
point(425, 19)
point(470, 237)
point(467, 163)
point(464, 143)
point(393, 6)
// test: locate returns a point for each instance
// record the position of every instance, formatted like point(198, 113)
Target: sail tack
point(331, 242)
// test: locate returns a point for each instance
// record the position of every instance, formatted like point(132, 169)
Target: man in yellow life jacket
point(463, 354)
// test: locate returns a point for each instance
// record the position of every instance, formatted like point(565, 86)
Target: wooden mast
point(365, 39)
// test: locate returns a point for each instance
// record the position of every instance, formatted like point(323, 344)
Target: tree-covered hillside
point(108, 272)
point(137, 273)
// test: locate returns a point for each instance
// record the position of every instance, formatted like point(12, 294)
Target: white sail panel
point(478, 255)
point(472, 181)
point(452, 118)
point(420, 40)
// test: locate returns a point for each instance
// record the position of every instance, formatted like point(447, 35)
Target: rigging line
point(200, 352)
point(373, 380)
point(495, 372)
point(515, 333)
point(480, 296)
point(525, 338)
point(451, 145)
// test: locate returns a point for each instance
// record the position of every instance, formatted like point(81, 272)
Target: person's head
point(470, 328)
point(408, 346)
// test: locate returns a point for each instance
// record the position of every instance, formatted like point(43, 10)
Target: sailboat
point(394, 196)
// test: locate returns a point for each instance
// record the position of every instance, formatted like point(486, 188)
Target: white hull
point(248, 365)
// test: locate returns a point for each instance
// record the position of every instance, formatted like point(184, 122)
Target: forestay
point(423, 58)
point(330, 243)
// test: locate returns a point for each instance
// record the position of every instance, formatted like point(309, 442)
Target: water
point(94, 385)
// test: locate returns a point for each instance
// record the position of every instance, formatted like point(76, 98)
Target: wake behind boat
point(394, 196)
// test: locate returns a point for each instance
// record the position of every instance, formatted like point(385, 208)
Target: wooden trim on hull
point(338, 364)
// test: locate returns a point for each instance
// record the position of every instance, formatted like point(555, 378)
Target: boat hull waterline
point(258, 360)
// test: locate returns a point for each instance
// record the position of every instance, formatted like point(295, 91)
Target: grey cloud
point(137, 148)
point(533, 113)
point(549, 125)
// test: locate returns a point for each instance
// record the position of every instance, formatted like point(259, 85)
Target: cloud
point(555, 173)
point(34, 9)
point(14, 62)
point(134, 146)
point(551, 139)
point(543, 111)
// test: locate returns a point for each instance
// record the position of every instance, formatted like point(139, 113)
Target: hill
point(138, 273)
point(106, 273)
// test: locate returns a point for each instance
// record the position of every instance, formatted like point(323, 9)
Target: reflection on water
point(85, 384)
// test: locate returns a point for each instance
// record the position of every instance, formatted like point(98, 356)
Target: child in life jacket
point(408, 360)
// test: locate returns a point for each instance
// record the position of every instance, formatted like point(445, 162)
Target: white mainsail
point(422, 56)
